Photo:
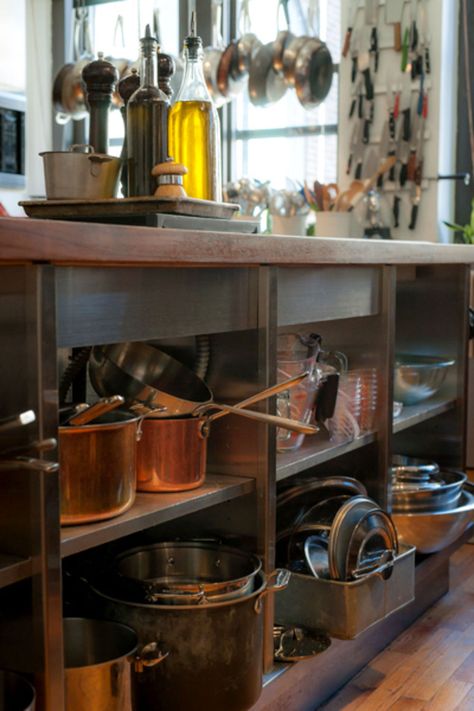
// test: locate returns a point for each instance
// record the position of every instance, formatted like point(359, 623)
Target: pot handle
point(384, 569)
point(81, 148)
point(189, 598)
point(148, 657)
point(277, 580)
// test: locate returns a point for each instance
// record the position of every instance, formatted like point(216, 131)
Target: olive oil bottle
point(193, 127)
point(147, 123)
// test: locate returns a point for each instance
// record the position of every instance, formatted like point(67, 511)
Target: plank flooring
point(430, 666)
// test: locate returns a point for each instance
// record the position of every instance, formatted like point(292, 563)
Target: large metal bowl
point(431, 531)
point(423, 496)
point(417, 378)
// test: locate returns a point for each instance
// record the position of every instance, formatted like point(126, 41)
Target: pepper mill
point(126, 87)
point(166, 69)
point(99, 77)
point(169, 177)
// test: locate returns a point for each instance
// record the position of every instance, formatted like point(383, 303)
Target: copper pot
point(98, 467)
point(171, 454)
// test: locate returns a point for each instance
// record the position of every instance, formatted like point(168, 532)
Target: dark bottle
point(126, 88)
point(147, 123)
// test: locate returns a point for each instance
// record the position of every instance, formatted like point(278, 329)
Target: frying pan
point(227, 85)
point(283, 39)
point(266, 86)
point(211, 59)
point(313, 73)
point(151, 378)
point(290, 55)
point(246, 46)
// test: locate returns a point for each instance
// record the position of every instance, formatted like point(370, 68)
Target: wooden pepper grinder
point(166, 69)
point(99, 77)
point(126, 87)
point(170, 179)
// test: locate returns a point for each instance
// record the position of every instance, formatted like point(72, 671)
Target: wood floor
point(430, 667)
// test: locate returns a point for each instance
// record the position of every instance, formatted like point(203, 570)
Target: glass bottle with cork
point(147, 123)
point(193, 128)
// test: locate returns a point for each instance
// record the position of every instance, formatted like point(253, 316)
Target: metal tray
point(126, 207)
point(345, 610)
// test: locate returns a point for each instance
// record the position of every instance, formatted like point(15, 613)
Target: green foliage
point(464, 235)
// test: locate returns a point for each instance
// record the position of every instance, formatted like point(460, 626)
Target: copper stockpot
point(98, 467)
point(171, 454)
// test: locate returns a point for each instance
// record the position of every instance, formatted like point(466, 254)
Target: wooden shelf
point(13, 569)
point(313, 453)
point(153, 509)
point(414, 414)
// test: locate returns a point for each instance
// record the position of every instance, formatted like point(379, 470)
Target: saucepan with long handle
point(172, 449)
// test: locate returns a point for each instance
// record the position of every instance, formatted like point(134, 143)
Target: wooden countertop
point(29, 240)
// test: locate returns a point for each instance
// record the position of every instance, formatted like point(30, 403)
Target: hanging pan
point(313, 71)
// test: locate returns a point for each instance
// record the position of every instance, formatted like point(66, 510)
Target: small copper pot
point(98, 467)
point(171, 454)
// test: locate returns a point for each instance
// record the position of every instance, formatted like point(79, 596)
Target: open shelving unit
point(412, 415)
point(310, 454)
point(152, 509)
point(14, 569)
point(361, 308)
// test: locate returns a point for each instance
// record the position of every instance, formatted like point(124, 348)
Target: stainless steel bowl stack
point(431, 506)
point(328, 528)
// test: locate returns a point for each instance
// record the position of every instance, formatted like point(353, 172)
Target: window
point(284, 141)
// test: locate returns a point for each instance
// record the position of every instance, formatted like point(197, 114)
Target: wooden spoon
point(347, 200)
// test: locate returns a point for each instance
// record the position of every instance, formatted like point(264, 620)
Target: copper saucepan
point(171, 455)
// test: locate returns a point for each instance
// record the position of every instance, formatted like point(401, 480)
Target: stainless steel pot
point(80, 174)
point(165, 572)
point(16, 693)
point(98, 467)
point(214, 651)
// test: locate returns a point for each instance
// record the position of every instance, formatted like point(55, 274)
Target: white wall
point(438, 196)
point(25, 69)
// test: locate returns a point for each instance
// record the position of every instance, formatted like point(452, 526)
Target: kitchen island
point(66, 285)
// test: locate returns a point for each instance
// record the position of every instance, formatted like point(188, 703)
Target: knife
point(418, 176)
point(383, 150)
point(353, 146)
point(354, 47)
point(363, 62)
point(393, 16)
point(353, 7)
point(371, 13)
point(359, 152)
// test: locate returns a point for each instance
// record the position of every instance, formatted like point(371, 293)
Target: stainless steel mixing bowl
point(417, 377)
point(432, 531)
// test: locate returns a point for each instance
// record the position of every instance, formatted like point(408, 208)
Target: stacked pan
point(200, 604)
point(329, 528)
point(419, 485)
point(432, 506)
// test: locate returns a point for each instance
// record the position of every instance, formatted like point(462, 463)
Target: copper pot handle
point(148, 657)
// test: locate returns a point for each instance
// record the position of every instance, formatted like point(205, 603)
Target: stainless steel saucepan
point(144, 375)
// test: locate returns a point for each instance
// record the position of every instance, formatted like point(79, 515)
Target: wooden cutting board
point(126, 207)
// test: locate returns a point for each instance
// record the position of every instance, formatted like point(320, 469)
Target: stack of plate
point(330, 529)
